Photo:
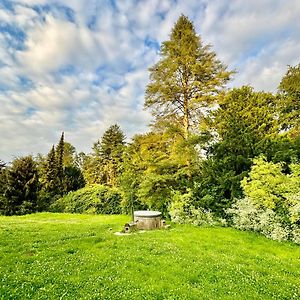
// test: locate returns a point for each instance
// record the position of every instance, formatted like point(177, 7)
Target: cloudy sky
point(79, 66)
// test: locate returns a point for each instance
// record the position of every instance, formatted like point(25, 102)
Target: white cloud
point(110, 61)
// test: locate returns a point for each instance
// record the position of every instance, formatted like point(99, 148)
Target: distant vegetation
point(213, 155)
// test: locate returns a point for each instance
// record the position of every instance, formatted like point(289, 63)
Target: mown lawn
point(64, 256)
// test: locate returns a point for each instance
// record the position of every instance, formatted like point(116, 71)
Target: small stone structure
point(130, 227)
point(148, 219)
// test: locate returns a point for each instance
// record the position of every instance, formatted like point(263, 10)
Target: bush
point(93, 199)
point(182, 211)
point(246, 215)
point(272, 202)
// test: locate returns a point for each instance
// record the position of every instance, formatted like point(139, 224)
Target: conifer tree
point(60, 158)
point(111, 151)
point(21, 187)
point(2, 164)
point(51, 182)
point(103, 165)
point(187, 78)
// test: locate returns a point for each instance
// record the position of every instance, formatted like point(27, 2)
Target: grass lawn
point(64, 256)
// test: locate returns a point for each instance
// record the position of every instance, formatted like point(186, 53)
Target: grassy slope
point(62, 256)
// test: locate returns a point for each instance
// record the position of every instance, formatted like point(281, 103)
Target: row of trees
point(202, 141)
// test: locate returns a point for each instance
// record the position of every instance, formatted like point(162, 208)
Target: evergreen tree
point(104, 165)
point(3, 182)
point(69, 155)
point(60, 159)
point(187, 79)
point(51, 179)
point(22, 187)
point(2, 164)
point(111, 151)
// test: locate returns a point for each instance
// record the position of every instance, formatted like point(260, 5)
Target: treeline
point(204, 141)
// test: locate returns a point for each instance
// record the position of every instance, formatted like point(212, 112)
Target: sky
point(79, 66)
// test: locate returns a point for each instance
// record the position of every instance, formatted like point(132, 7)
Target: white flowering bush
point(245, 215)
point(272, 202)
point(296, 234)
point(183, 212)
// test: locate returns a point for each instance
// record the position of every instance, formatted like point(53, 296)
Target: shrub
point(245, 215)
point(94, 199)
point(272, 202)
point(182, 211)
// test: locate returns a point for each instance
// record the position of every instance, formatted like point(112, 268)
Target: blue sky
point(79, 66)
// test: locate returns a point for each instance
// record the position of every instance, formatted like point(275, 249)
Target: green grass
point(64, 256)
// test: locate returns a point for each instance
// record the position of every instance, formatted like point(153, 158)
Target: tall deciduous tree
point(186, 79)
point(290, 102)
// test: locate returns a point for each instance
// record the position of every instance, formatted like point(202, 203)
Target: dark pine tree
point(22, 187)
point(60, 159)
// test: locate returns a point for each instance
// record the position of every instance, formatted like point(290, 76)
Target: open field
point(64, 256)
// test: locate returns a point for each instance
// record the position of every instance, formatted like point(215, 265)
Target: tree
point(269, 188)
point(103, 166)
point(50, 179)
point(2, 164)
point(22, 187)
point(187, 79)
point(246, 126)
point(289, 89)
point(60, 159)
point(153, 169)
point(69, 155)
point(3, 181)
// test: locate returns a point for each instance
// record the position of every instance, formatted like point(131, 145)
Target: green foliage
point(73, 179)
point(104, 165)
point(59, 159)
point(69, 155)
point(69, 256)
point(187, 77)
point(21, 187)
point(246, 215)
point(3, 181)
point(95, 198)
point(183, 211)
point(154, 167)
point(49, 176)
point(245, 126)
point(59, 174)
point(290, 100)
point(269, 188)
point(272, 203)
point(265, 184)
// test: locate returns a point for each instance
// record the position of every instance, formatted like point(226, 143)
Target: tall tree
point(22, 186)
point(289, 89)
point(3, 182)
point(50, 180)
point(2, 164)
point(111, 151)
point(60, 159)
point(187, 78)
point(103, 165)
point(246, 126)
